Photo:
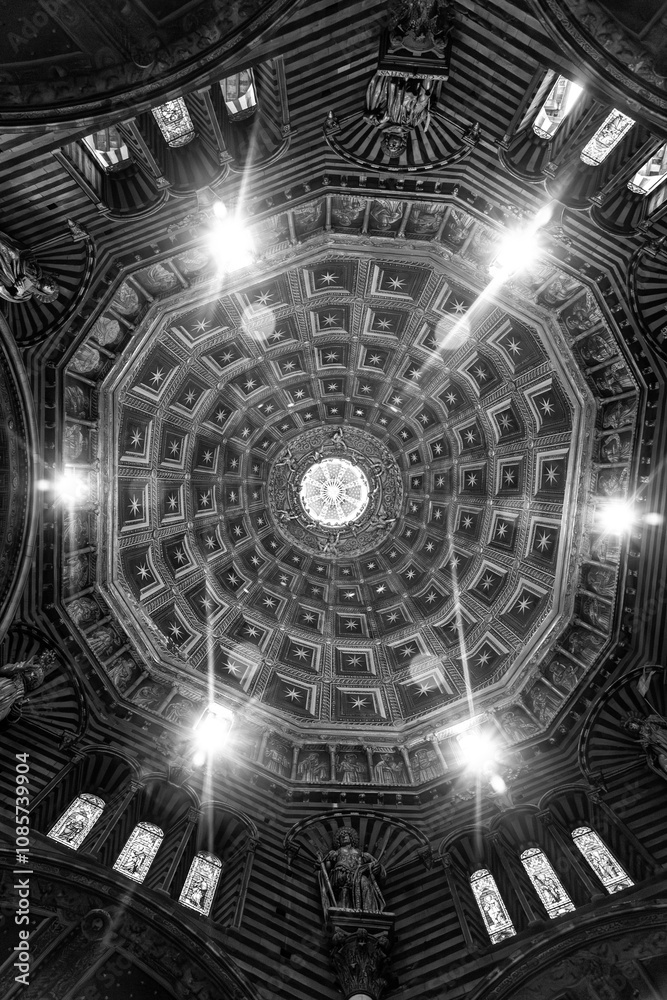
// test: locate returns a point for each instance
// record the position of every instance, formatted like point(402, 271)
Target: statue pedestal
point(360, 945)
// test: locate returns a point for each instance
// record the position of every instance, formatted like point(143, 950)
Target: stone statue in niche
point(620, 413)
point(544, 703)
point(558, 291)
point(424, 763)
point(312, 768)
point(122, 672)
point(351, 875)
point(276, 759)
point(582, 644)
point(351, 768)
point(602, 581)
point(83, 611)
point(585, 315)
point(17, 680)
point(517, 725)
point(613, 482)
point(388, 770)
point(386, 212)
point(651, 731)
point(21, 277)
point(615, 448)
point(397, 106)
point(564, 675)
point(597, 348)
point(346, 209)
point(613, 379)
point(595, 613)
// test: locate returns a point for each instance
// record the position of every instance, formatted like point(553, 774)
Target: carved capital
point(359, 960)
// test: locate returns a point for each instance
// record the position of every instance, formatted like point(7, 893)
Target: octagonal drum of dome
point(465, 420)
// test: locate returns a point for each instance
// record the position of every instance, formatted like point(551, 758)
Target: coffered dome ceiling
point(336, 483)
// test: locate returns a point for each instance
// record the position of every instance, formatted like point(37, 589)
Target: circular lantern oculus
point(334, 492)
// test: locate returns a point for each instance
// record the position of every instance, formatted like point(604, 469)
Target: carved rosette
point(361, 450)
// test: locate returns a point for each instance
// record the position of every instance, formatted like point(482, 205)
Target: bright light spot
point(477, 748)
point(199, 759)
point(616, 517)
point(517, 251)
point(543, 216)
point(70, 486)
point(653, 518)
point(229, 241)
point(43, 484)
point(219, 209)
point(497, 784)
point(213, 728)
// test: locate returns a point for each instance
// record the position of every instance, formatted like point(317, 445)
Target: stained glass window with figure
point(608, 136)
point(651, 173)
point(201, 882)
point(559, 102)
point(175, 123)
point(601, 860)
point(494, 912)
point(140, 849)
point(548, 886)
point(81, 815)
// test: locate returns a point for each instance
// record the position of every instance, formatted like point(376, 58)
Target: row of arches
point(238, 123)
point(589, 156)
point(546, 883)
point(139, 851)
point(152, 830)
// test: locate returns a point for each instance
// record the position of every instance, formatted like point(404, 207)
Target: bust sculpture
point(17, 680)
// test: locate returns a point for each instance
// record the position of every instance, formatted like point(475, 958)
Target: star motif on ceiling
point(351, 624)
point(331, 356)
point(255, 560)
point(472, 479)
point(172, 501)
point(328, 278)
point(410, 575)
point(277, 335)
point(470, 436)
point(423, 688)
point(451, 398)
point(301, 653)
point(501, 529)
point(383, 421)
point(349, 595)
point(174, 447)
point(252, 631)
point(505, 421)
point(424, 418)
point(175, 630)
point(481, 374)
point(208, 457)
point(551, 474)
point(467, 522)
point(384, 324)
point(157, 376)
point(408, 651)
point(380, 589)
point(136, 438)
point(414, 372)
point(543, 542)
point(358, 702)
point(440, 481)
point(308, 617)
point(329, 319)
point(429, 546)
point(205, 499)
point(289, 366)
point(293, 694)
point(221, 415)
point(233, 668)
point(250, 384)
point(263, 298)
point(431, 597)
point(523, 605)
point(226, 357)
point(513, 346)
point(396, 283)
point(299, 394)
point(134, 505)
point(143, 571)
point(437, 449)
point(508, 476)
point(414, 458)
point(179, 556)
point(353, 661)
point(209, 541)
point(269, 408)
point(487, 582)
point(392, 617)
point(201, 325)
point(459, 307)
point(547, 407)
point(375, 359)
point(483, 658)
point(233, 579)
point(366, 388)
point(190, 397)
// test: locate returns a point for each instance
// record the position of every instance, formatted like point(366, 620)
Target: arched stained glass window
point(548, 886)
point(201, 882)
point(494, 913)
point(560, 100)
point(610, 133)
point(601, 860)
point(175, 122)
point(651, 173)
point(141, 847)
point(77, 821)
point(109, 149)
point(239, 95)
